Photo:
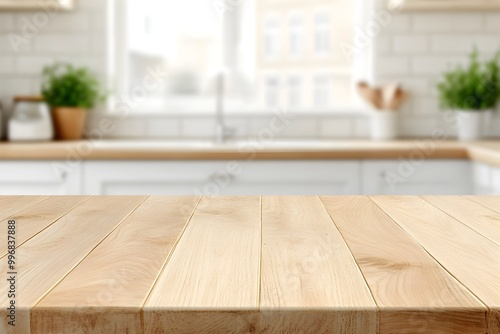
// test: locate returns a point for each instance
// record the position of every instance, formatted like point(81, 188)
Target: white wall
point(413, 49)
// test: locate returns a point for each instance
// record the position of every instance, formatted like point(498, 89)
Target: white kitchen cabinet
point(482, 176)
point(222, 177)
point(495, 180)
point(486, 179)
point(427, 177)
point(39, 178)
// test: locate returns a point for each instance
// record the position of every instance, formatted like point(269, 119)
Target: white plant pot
point(384, 125)
point(470, 125)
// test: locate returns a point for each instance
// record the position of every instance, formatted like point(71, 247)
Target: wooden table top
point(486, 152)
point(355, 264)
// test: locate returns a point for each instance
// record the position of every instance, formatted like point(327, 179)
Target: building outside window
point(272, 37)
point(296, 35)
point(322, 33)
point(295, 91)
point(246, 44)
point(272, 87)
point(322, 90)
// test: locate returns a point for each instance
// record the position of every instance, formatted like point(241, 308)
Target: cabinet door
point(296, 178)
point(222, 178)
point(431, 177)
point(495, 181)
point(39, 178)
point(482, 179)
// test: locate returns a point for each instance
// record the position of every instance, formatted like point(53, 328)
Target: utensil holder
point(384, 125)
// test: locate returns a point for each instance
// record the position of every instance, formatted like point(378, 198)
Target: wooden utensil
point(389, 94)
point(371, 95)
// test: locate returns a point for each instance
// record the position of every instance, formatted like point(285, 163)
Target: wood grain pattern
point(48, 257)
point(470, 213)
point(10, 205)
point(490, 202)
point(406, 282)
point(307, 264)
point(361, 265)
point(39, 216)
point(215, 265)
point(110, 286)
point(466, 254)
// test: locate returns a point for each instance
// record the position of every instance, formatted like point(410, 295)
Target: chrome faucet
point(222, 132)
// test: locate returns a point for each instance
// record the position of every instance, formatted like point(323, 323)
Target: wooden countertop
point(488, 152)
point(254, 264)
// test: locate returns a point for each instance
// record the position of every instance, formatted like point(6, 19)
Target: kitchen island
point(252, 264)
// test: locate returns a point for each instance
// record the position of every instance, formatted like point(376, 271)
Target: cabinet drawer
point(39, 178)
point(222, 178)
point(436, 177)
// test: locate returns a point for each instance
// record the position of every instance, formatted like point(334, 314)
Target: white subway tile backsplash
point(6, 65)
point(426, 65)
point(132, 127)
point(383, 45)
point(425, 106)
point(87, 5)
point(447, 22)
point(464, 44)
point(6, 22)
point(10, 45)
point(32, 64)
point(417, 87)
point(198, 128)
point(14, 85)
point(418, 126)
point(492, 22)
point(41, 23)
point(411, 44)
point(163, 127)
point(399, 23)
point(300, 127)
point(392, 66)
point(67, 44)
point(362, 127)
point(337, 127)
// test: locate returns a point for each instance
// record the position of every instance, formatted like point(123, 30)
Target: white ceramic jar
point(384, 125)
point(30, 120)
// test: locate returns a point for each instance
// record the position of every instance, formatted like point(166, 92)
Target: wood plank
point(45, 259)
point(38, 217)
point(466, 254)
point(310, 281)
point(215, 266)
point(490, 202)
point(10, 205)
point(403, 278)
point(105, 292)
point(474, 215)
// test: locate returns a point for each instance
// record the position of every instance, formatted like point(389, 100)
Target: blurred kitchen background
point(276, 53)
point(215, 71)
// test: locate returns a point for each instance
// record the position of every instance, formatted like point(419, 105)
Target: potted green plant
point(471, 91)
point(70, 92)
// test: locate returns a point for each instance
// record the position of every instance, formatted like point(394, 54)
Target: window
point(272, 37)
point(197, 44)
point(296, 38)
point(322, 33)
point(322, 90)
point(295, 91)
point(272, 89)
